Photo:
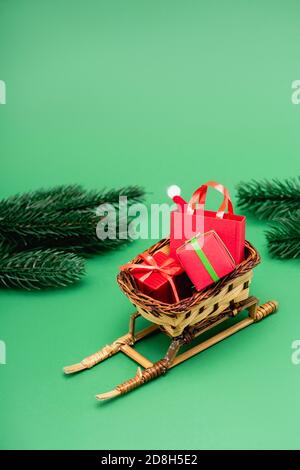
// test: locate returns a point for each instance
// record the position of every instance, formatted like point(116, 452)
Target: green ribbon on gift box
point(205, 261)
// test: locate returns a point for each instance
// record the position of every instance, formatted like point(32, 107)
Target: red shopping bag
point(187, 222)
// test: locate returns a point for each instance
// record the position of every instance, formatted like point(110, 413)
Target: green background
point(149, 92)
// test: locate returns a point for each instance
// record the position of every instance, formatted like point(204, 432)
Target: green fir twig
point(41, 232)
point(284, 238)
point(272, 199)
point(65, 217)
point(40, 269)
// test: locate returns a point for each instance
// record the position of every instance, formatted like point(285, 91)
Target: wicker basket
point(202, 308)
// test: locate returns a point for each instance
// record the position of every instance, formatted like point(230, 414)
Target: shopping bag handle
point(199, 197)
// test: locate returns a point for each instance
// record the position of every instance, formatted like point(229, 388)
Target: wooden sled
point(182, 322)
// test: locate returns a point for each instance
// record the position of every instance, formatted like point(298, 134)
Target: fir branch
point(41, 231)
point(65, 198)
point(82, 245)
point(43, 225)
point(272, 199)
point(62, 212)
point(85, 244)
point(284, 238)
point(40, 269)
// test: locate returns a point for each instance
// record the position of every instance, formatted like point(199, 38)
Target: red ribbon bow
point(167, 269)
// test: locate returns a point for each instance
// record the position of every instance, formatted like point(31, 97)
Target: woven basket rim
point(127, 283)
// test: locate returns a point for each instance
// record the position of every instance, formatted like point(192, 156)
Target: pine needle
point(6, 247)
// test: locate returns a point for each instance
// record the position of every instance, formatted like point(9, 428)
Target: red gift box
point(205, 259)
point(160, 277)
point(191, 219)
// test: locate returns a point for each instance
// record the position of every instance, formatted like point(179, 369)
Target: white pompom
point(173, 190)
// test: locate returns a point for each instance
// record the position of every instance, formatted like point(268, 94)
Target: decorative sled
point(183, 321)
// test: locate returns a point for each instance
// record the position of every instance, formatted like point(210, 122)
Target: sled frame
point(172, 358)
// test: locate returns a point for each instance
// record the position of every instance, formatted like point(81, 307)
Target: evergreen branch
point(284, 238)
point(41, 231)
point(65, 211)
point(85, 245)
point(64, 197)
point(40, 225)
point(40, 269)
point(272, 199)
